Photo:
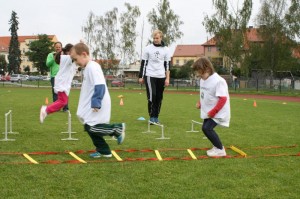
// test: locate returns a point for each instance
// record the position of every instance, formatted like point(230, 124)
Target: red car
point(117, 83)
point(5, 78)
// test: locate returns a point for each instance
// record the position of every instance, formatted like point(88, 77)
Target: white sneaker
point(215, 152)
point(43, 113)
point(212, 149)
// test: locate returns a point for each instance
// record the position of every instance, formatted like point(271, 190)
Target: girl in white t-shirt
point(63, 81)
point(214, 103)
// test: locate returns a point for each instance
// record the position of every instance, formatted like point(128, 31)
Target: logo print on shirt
point(202, 95)
point(156, 54)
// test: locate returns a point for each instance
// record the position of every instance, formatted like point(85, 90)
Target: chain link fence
point(283, 84)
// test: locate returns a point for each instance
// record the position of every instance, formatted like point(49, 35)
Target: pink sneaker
point(43, 113)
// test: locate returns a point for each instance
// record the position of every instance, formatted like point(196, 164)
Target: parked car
point(25, 77)
point(117, 83)
point(76, 83)
point(33, 78)
point(15, 77)
point(5, 78)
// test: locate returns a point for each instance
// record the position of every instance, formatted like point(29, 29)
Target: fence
point(239, 84)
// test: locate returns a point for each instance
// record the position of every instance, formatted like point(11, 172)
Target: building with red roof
point(24, 41)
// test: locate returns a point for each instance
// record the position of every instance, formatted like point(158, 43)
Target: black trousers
point(98, 131)
point(208, 129)
point(155, 89)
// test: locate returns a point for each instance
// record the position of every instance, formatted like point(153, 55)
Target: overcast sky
point(65, 18)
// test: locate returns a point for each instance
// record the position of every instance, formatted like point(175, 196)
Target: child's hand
point(198, 105)
point(96, 109)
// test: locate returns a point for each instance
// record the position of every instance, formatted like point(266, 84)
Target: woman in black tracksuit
point(155, 72)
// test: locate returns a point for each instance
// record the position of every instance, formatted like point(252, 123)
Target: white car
point(15, 77)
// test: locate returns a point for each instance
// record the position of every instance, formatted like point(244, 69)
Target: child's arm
point(218, 107)
point(99, 91)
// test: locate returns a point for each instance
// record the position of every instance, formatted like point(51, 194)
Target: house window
point(177, 61)
point(184, 61)
point(209, 49)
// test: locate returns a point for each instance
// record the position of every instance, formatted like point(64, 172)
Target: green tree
point(109, 31)
point(229, 27)
point(185, 70)
point(278, 31)
point(128, 33)
point(38, 52)
point(14, 53)
point(3, 64)
point(89, 31)
point(27, 70)
point(167, 21)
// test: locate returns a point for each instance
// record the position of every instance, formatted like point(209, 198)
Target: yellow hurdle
point(76, 157)
point(238, 151)
point(30, 158)
point(192, 154)
point(116, 156)
point(158, 155)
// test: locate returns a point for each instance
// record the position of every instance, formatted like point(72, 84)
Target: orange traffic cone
point(121, 102)
point(254, 104)
point(46, 101)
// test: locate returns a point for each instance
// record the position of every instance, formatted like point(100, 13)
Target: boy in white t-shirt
point(63, 81)
point(214, 103)
point(94, 105)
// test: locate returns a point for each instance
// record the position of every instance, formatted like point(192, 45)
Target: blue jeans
point(208, 129)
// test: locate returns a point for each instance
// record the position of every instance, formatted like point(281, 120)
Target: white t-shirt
point(64, 77)
point(156, 56)
point(93, 75)
point(210, 90)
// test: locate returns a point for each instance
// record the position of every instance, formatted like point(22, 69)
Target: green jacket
point(50, 62)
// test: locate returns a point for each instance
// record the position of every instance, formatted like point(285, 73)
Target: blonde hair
point(203, 65)
point(155, 32)
point(80, 48)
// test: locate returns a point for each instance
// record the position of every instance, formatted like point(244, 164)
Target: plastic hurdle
point(194, 122)
point(69, 128)
point(9, 113)
point(162, 130)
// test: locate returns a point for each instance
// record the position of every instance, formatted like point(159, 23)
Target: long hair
point(65, 50)
point(203, 65)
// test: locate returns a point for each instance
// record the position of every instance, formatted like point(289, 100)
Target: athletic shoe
point(211, 150)
point(152, 120)
point(156, 120)
point(99, 155)
point(215, 152)
point(43, 113)
point(121, 137)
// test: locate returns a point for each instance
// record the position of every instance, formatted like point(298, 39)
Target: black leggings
point(208, 129)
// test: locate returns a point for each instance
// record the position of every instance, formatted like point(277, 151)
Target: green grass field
point(271, 123)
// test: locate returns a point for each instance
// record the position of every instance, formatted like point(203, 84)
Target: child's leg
point(98, 141)
point(208, 129)
point(107, 129)
point(61, 101)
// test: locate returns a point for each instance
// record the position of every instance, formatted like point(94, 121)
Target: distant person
point(54, 68)
point(63, 81)
point(94, 106)
point(155, 73)
point(214, 103)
